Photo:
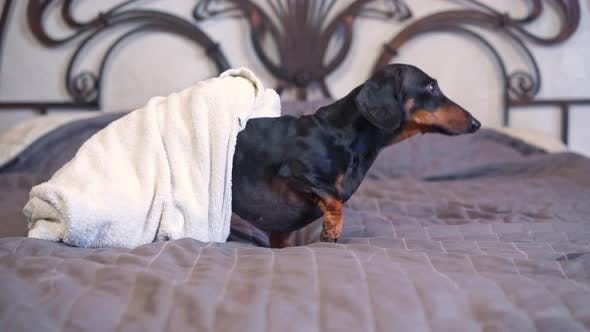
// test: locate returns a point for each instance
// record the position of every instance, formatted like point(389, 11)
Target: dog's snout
point(475, 125)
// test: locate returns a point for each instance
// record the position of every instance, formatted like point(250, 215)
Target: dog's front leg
point(332, 226)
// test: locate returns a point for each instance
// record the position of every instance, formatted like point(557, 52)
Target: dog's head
point(403, 99)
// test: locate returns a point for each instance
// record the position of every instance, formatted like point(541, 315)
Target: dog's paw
point(328, 237)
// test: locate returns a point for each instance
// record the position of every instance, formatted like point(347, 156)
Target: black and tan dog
point(290, 171)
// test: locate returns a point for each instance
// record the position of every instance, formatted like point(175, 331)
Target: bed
point(481, 232)
point(487, 232)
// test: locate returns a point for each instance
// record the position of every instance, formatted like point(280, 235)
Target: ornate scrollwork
point(84, 86)
point(523, 85)
point(302, 30)
point(302, 34)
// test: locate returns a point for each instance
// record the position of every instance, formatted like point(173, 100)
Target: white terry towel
point(160, 172)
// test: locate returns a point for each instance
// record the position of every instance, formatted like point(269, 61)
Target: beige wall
point(158, 64)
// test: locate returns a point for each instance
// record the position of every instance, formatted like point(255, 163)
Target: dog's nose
point(475, 125)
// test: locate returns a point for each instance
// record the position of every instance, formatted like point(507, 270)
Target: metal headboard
point(302, 36)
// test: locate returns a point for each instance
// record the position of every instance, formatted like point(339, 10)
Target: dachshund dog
point(288, 171)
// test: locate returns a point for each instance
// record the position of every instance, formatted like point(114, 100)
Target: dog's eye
point(431, 87)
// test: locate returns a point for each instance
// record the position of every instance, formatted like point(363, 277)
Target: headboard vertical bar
point(6, 9)
point(505, 106)
point(565, 119)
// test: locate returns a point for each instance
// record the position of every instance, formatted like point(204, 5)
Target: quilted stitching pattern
point(431, 279)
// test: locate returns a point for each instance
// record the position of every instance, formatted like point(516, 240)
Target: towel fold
point(160, 172)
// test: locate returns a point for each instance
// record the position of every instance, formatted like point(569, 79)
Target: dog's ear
point(378, 104)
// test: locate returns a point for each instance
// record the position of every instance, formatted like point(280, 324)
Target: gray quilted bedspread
point(474, 233)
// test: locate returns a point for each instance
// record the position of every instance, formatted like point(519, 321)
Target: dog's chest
point(351, 179)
